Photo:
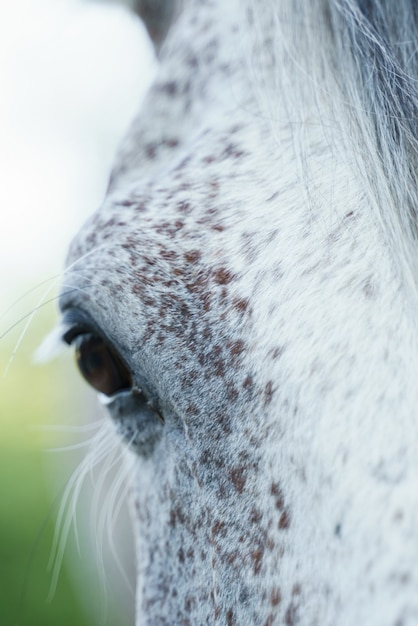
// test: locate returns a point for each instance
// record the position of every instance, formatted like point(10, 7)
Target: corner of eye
point(104, 399)
point(108, 400)
point(51, 346)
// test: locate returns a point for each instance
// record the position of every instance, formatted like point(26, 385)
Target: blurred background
point(72, 76)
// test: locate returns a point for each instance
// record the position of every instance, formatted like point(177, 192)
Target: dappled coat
point(246, 301)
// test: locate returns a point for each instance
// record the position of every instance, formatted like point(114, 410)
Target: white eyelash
point(52, 345)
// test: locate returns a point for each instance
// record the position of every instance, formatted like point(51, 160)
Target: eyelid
point(74, 323)
point(99, 361)
point(71, 334)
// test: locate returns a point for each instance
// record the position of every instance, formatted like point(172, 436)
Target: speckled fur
point(250, 286)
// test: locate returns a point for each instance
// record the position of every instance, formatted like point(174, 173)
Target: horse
point(244, 303)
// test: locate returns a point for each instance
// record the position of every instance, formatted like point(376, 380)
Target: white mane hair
point(246, 299)
point(358, 59)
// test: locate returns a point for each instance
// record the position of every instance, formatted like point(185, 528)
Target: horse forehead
point(194, 216)
point(199, 201)
point(182, 177)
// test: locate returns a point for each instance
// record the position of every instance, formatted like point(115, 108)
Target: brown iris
point(100, 365)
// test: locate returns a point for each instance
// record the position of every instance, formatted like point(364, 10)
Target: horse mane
point(357, 62)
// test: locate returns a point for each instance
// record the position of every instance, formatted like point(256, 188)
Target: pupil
point(91, 362)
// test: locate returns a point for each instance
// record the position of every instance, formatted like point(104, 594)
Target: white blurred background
point(72, 76)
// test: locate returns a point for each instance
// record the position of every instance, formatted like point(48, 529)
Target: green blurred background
point(29, 398)
point(34, 401)
point(72, 73)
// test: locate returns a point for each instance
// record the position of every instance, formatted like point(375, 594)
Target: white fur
point(283, 485)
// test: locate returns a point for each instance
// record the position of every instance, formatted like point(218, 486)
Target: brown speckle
point(218, 528)
point(248, 382)
point(192, 409)
point(189, 603)
point(238, 478)
point(290, 617)
point(222, 276)
point(170, 88)
point(193, 256)
point(151, 150)
point(296, 589)
point(277, 352)
point(268, 393)
point(184, 207)
point(255, 516)
point(236, 347)
point(171, 143)
point(275, 596)
point(278, 495)
point(172, 521)
point(241, 304)
point(284, 521)
point(257, 557)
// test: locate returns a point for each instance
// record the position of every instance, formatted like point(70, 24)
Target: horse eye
point(99, 364)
